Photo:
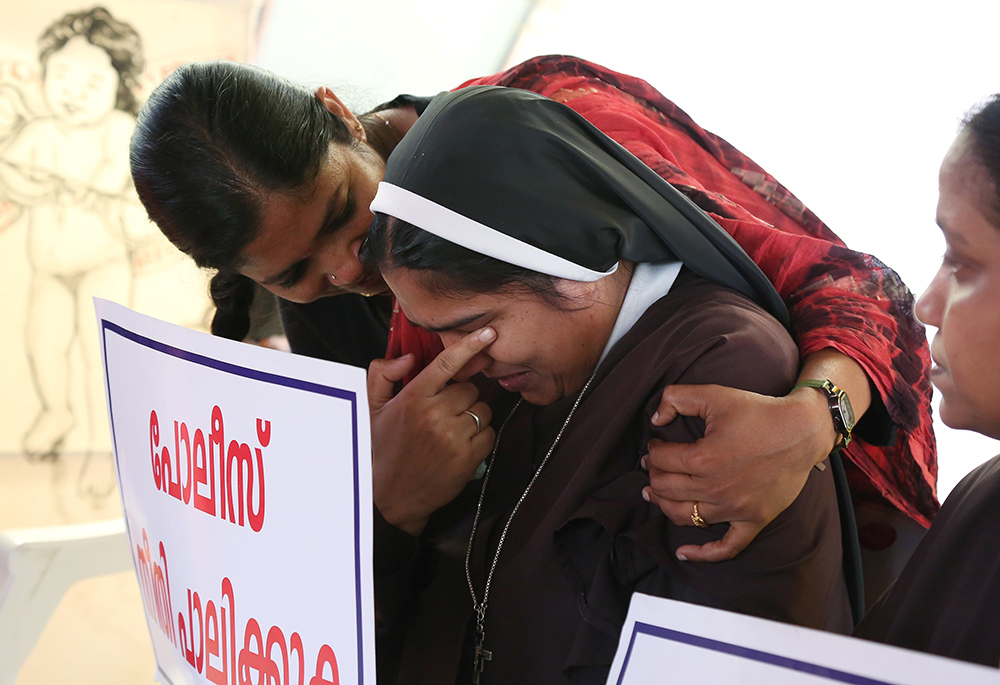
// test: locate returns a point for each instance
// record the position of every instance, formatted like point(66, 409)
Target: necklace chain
point(480, 607)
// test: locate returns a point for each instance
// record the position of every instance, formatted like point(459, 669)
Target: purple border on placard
point(266, 378)
point(742, 652)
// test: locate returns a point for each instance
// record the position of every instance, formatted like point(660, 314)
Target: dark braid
point(232, 294)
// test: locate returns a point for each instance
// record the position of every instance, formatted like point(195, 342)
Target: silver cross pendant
point(480, 657)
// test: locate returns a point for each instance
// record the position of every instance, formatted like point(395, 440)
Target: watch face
point(846, 411)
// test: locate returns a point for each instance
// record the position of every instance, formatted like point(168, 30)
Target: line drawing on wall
point(64, 174)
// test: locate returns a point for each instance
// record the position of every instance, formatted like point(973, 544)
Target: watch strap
point(834, 395)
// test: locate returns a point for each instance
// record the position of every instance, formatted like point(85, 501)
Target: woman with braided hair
point(267, 182)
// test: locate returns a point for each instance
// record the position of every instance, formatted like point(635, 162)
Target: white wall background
point(851, 105)
point(370, 52)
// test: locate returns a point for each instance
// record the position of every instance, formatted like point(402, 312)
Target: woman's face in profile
point(962, 300)
point(307, 247)
point(81, 85)
point(542, 352)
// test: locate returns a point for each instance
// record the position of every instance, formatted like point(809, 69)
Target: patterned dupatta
point(836, 297)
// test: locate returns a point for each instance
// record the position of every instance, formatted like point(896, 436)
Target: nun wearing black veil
point(506, 211)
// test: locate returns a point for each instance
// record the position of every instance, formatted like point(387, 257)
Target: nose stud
point(332, 277)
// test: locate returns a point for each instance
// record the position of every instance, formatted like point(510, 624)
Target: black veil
point(524, 179)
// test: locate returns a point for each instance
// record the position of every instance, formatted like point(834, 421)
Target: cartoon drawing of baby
point(68, 171)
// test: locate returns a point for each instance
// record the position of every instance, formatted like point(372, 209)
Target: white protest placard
point(668, 641)
point(245, 478)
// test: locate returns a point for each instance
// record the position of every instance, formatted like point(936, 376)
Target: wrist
point(842, 371)
point(399, 511)
point(408, 523)
point(839, 404)
point(814, 417)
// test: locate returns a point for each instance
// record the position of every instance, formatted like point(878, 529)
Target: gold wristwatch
point(840, 409)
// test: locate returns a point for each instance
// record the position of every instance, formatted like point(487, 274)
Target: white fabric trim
point(649, 283)
point(461, 230)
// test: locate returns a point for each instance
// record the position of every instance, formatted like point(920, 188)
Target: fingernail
point(682, 557)
point(645, 495)
point(487, 334)
point(655, 416)
point(642, 462)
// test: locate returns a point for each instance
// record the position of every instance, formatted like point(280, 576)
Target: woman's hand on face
point(425, 447)
point(750, 466)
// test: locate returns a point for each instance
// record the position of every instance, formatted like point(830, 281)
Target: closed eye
point(295, 275)
point(341, 219)
point(462, 326)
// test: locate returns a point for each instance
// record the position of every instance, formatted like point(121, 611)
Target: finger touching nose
point(473, 364)
point(455, 361)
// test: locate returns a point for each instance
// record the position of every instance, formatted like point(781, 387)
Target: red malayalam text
point(154, 583)
point(202, 470)
point(206, 635)
point(208, 642)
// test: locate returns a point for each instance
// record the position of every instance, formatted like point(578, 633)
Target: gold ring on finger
point(696, 518)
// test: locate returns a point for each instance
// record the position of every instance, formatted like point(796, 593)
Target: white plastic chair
point(37, 567)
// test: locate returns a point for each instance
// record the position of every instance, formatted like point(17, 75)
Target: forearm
point(845, 373)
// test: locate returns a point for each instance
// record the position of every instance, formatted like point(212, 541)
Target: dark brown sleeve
point(792, 571)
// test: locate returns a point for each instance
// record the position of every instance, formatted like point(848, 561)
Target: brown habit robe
point(947, 599)
point(584, 539)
